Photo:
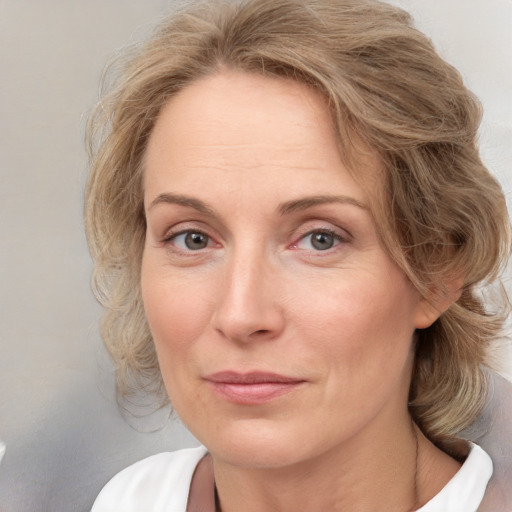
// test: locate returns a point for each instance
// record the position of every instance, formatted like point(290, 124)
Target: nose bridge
point(248, 307)
point(244, 271)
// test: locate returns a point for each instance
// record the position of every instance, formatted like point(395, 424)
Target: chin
point(256, 444)
point(256, 455)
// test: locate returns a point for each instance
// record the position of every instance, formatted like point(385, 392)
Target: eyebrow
point(309, 202)
point(284, 209)
point(182, 200)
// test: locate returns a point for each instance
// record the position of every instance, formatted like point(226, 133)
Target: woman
point(291, 225)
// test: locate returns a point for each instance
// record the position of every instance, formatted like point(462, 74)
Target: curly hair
point(441, 215)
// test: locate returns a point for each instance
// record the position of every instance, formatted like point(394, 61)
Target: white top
point(161, 484)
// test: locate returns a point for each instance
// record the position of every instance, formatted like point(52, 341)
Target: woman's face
point(283, 329)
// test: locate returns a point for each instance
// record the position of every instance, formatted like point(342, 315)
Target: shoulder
point(160, 482)
point(465, 491)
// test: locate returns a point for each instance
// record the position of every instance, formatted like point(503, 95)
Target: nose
point(249, 307)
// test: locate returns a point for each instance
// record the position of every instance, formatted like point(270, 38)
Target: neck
point(380, 466)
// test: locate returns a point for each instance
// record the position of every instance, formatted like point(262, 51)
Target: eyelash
point(338, 239)
point(171, 237)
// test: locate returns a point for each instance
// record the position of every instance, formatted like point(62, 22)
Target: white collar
point(465, 491)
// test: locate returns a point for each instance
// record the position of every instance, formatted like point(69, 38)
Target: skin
point(250, 164)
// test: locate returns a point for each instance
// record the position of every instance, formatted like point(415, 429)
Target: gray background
point(65, 436)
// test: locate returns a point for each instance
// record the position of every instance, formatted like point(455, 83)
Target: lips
point(252, 388)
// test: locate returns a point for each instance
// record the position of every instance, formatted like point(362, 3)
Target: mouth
point(252, 388)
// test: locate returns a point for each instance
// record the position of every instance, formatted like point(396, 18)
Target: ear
point(432, 306)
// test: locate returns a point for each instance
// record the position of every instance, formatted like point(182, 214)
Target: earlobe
point(432, 307)
point(427, 314)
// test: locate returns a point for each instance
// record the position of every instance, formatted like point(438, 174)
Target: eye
point(190, 240)
point(320, 240)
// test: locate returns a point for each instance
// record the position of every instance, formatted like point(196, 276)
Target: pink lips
point(251, 388)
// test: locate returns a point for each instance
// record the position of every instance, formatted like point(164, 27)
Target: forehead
point(229, 109)
point(249, 130)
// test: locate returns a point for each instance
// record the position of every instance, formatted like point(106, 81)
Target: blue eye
point(191, 240)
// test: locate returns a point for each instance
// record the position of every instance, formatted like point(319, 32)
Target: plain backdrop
point(65, 436)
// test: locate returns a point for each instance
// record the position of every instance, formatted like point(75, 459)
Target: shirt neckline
point(464, 492)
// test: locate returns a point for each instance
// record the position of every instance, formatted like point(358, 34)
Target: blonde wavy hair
point(441, 215)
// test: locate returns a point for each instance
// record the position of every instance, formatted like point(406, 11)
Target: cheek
point(357, 304)
point(170, 313)
point(177, 312)
point(368, 323)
